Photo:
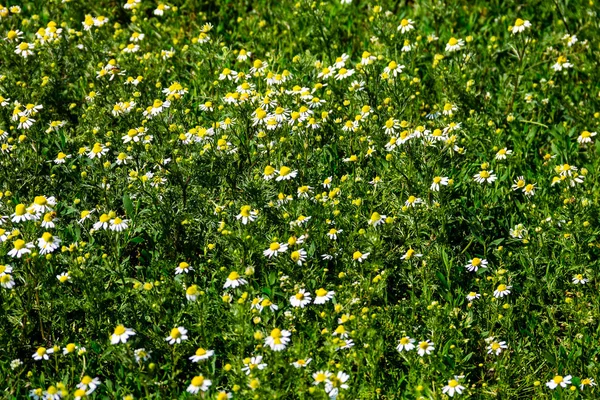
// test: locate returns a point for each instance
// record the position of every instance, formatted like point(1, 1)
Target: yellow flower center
point(198, 381)
point(233, 276)
point(321, 292)
point(284, 171)
point(200, 351)
point(192, 290)
point(295, 256)
point(274, 246)
point(175, 334)
point(452, 41)
point(40, 200)
point(119, 330)
point(20, 209)
point(453, 383)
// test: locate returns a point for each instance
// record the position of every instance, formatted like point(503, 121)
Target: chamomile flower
point(89, 384)
point(320, 377)
point(286, 173)
point(344, 73)
point(121, 334)
point(21, 214)
point(202, 354)
point(502, 153)
point(360, 257)
point(376, 219)
point(335, 383)
point(476, 263)
point(437, 181)
point(323, 296)
point(393, 69)
point(453, 387)
point(20, 248)
point(42, 353)
point(502, 290)
point(520, 26)
point(53, 393)
point(97, 151)
point(518, 183)
point(177, 335)
point(578, 279)
point(558, 380)
point(561, 63)
point(425, 347)
point(586, 382)
point(141, 355)
point(298, 256)
point(495, 347)
point(301, 363)
point(7, 281)
point(269, 173)
point(406, 344)
point(234, 280)
point(183, 267)
point(473, 296)
point(454, 44)
point(410, 254)
point(250, 364)
point(529, 189)
point(192, 293)
point(5, 269)
point(585, 137)
point(278, 339)
point(48, 243)
point(301, 299)
point(406, 25)
point(485, 176)
point(333, 233)
point(413, 201)
point(24, 49)
point(118, 225)
point(199, 383)
point(275, 249)
point(160, 9)
point(42, 204)
point(69, 348)
point(64, 277)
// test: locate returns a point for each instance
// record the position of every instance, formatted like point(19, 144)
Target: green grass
point(367, 153)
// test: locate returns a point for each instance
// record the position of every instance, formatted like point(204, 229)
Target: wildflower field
point(355, 199)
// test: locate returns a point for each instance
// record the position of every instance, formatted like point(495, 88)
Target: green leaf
point(128, 205)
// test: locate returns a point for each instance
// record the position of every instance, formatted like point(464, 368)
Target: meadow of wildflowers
point(356, 199)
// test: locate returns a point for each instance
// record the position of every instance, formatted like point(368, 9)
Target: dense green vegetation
point(299, 200)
